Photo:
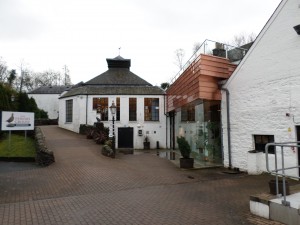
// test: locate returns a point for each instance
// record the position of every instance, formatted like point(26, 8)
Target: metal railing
point(281, 172)
point(207, 47)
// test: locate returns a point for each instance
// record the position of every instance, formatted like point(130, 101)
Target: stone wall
point(44, 156)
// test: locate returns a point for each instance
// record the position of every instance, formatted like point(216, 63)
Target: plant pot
point(186, 163)
point(272, 186)
point(147, 145)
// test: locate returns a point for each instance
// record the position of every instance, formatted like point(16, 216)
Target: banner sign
point(17, 120)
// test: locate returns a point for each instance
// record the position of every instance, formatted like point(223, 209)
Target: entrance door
point(298, 139)
point(125, 137)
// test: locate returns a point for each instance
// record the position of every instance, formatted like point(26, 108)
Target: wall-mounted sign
point(17, 120)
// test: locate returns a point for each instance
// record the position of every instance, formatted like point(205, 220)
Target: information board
point(17, 120)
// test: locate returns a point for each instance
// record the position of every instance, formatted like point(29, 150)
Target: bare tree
point(67, 78)
point(196, 47)
point(179, 57)
point(46, 78)
point(242, 39)
point(3, 71)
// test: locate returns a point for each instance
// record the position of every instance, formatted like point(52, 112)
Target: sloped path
point(84, 187)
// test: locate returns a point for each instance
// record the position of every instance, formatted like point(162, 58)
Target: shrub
point(184, 147)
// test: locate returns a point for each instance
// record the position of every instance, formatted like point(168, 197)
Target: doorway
point(125, 137)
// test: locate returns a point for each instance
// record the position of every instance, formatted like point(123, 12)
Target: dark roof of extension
point(50, 89)
point(117, 80)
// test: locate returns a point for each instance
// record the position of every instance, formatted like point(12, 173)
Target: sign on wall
point(17, 120)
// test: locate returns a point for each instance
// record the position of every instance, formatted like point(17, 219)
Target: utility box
point(140, 132)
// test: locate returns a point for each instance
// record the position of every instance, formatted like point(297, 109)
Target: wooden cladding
point(199, 81)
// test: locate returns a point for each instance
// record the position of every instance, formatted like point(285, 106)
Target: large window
point(132, 109)
point(261, 141)
point(188, 113)
point(69, 111)
point(101, 106)
point(151, 111)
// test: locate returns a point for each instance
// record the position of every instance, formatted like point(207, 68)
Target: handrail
point(277, 171)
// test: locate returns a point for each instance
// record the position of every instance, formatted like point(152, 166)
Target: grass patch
point(19, 147)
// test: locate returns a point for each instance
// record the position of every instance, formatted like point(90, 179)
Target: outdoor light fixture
point(113, 109)
point(297, 29)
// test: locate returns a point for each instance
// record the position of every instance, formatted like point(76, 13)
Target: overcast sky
point(83, 33)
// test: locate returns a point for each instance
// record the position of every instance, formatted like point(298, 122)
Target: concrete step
point(271, 207)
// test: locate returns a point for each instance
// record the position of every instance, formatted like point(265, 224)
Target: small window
point(151, 111)
point(261, 141)
point(69, 111)
point(188, 113)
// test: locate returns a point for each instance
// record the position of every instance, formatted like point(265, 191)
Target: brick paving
point(84, 187)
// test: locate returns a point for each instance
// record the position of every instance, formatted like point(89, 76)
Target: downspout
point(86, 109)
point(228, 126)
point(166, 114)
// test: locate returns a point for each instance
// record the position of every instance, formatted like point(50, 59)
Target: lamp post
point(113, 109)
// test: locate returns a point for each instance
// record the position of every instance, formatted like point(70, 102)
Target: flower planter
point(146, 145)
point(186, 163)
point(272, 186)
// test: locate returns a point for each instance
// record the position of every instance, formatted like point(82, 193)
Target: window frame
point(260, 141)
point(188, 113)
point(132, 114)
point(69, 111)
point(101, 107)
point(118, 110)
point(151, 104)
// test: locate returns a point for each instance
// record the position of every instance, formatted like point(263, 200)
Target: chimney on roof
point(219, 50)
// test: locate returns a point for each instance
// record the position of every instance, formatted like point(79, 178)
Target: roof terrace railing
point(209, 47)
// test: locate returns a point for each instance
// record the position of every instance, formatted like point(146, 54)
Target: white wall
point(264, 87)
point(156, 129)
point(47, 102)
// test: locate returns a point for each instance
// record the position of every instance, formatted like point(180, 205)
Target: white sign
point(17, 121)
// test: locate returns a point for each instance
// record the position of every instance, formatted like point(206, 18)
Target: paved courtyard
point(84, 187)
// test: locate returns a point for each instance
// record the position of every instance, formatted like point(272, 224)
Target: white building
point(263, 98)
point(46, 98)
point(140, 106)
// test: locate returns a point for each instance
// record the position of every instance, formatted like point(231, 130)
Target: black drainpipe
point(228, 125)
point(166, 114)
point(86, 109)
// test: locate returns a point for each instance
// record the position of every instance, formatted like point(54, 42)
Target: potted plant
point(146, 142)
point(185, 150)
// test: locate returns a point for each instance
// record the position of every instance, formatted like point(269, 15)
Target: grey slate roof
point(50, 89)
point(114, 90)
point(118, 76)
point(117, 80)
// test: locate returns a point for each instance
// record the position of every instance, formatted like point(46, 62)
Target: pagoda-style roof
point(118, 73)
point(117, 80)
